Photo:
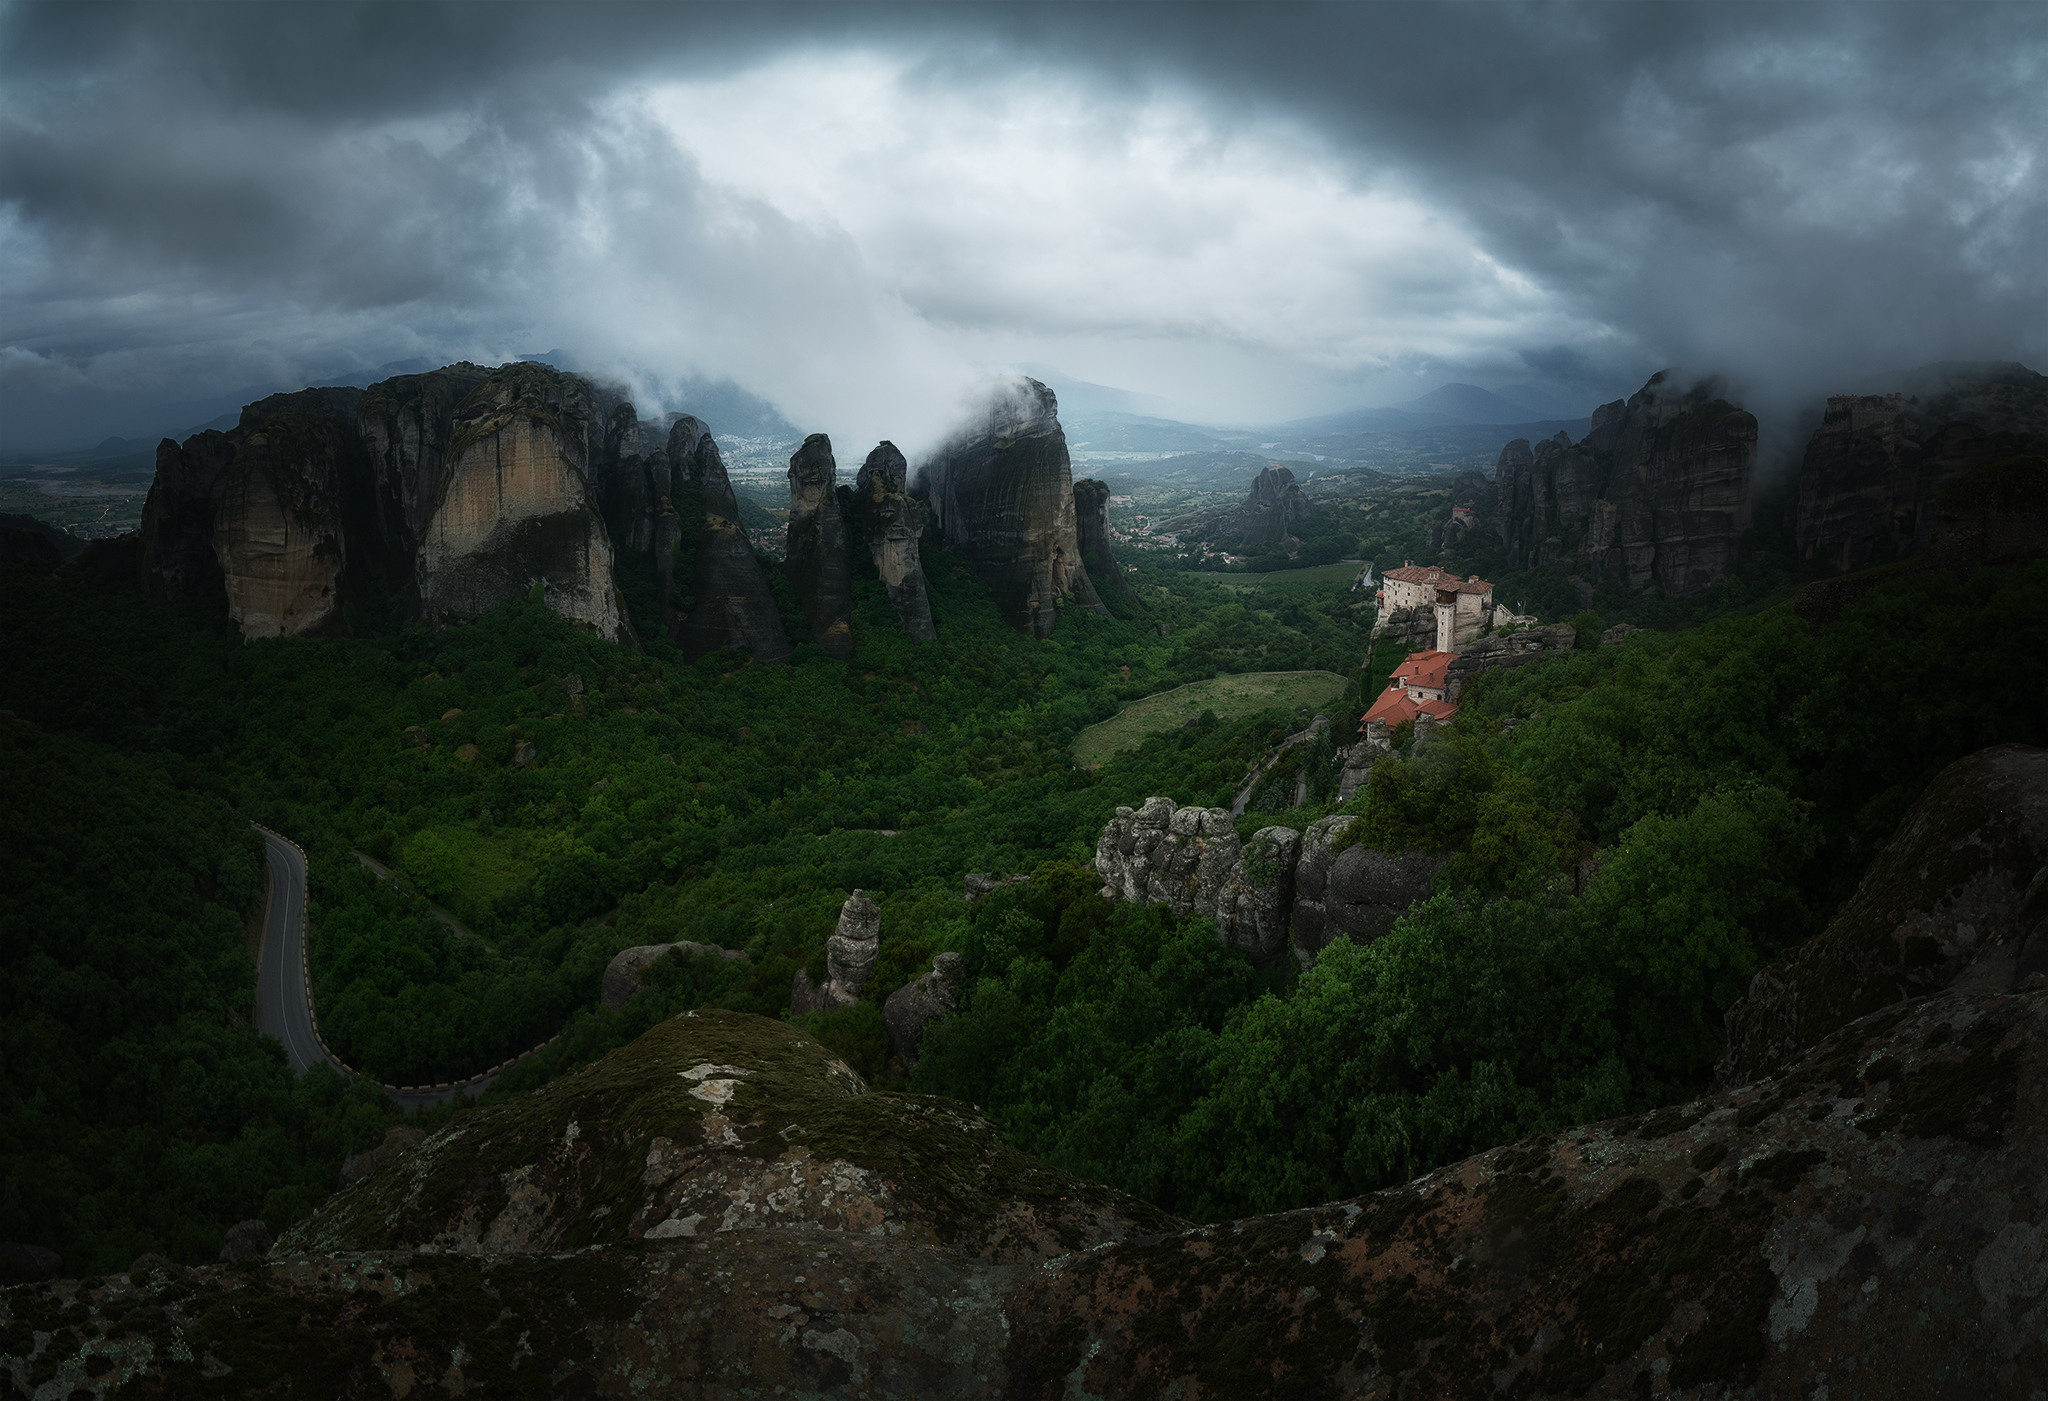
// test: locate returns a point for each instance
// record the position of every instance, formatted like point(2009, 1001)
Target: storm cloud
point(1253, 212)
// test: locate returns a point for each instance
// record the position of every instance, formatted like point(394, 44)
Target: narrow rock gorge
point(1001, 492)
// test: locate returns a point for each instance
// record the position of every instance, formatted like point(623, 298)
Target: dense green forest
point(1640, 828)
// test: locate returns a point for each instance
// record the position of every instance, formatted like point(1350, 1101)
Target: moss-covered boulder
point(1955, 894)
point(710, 1123)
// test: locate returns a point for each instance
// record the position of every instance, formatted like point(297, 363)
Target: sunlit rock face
point(515, 509)
point(1091, 528)
point(731, 606)
point(816, 555)
point(1001, 492)
point(892, 522)
point(443, 494)
point(1656, 495)
point(1875, 467)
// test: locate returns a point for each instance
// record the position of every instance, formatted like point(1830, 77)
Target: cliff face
point(731, 605)
point(893, 524)
point(1876, 465)
point(452, 491)
point(1658, 493)
point(1091, 529)
point(1002, 493)
point(816, 557)
point(1266, 519)
point(515, 506)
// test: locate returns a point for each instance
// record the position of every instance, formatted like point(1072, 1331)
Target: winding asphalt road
point(284, 1007)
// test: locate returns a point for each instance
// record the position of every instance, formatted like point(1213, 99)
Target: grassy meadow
point(1233, 698)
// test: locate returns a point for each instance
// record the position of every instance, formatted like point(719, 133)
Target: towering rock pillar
point(730, 602)
point(1091, 528)
point(893, 524)
point(1002, 493)
point(1269, 513)
point(816, 561)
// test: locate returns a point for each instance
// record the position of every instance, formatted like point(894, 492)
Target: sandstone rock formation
point(1265, 521)
point(445, 493)
point(912, 1008)
point(1658, 493)
point(1959, 894)
point(892, 522)
point(1091, 530)
point(850, 956)
point(1874, 468)
point(731, 605)
point(1283, 889)
point(515, 507)
point(1190, 860)
point(1002, 493)
point(1505, 651)
point(622, 975)
point(816, 560)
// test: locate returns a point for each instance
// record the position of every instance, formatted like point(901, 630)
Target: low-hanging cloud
point(1257, 211)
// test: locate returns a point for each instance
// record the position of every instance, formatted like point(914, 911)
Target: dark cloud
point(196, 197)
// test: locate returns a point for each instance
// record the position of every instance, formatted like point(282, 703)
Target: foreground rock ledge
point(1871, 1220)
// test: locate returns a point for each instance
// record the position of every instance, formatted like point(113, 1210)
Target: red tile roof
point(1393, 706)
point(1424, 669)
point(1442, 578)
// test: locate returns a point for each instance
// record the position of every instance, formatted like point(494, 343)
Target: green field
point(1231, 697)
point(1342, 572)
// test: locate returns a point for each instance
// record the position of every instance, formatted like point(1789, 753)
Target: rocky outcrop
point(732, 1125)
point(515, 510)
point(1265, 521)
point(1190, 860)
point(1001, 492)
point(1875, 467)
point(892, 523)
point(399, 1137)
point(1657, 494)
point(28, 1264)
point(1959, 895)
point(919, 1003)
point(850, 956)
point(1091, 529)
point(731, 606)
point(1505, 651)
point(622, 975)
point(1282, 889)
point(443, 494)
point(816, 558)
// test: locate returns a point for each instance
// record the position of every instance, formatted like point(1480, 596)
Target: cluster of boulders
point(1282, 890)
point(623, 974)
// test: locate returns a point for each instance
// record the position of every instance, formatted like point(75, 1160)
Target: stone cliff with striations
point(892, 524)
point(1001, 492)
point(442, 494)
point(722, 1208)
point(730, 603)
point(1875, 468)
point(1657, 495)
point(1091, 530)
point(1265, 522)
point(816, 557)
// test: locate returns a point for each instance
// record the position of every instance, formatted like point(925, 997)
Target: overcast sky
point(1255, 212)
